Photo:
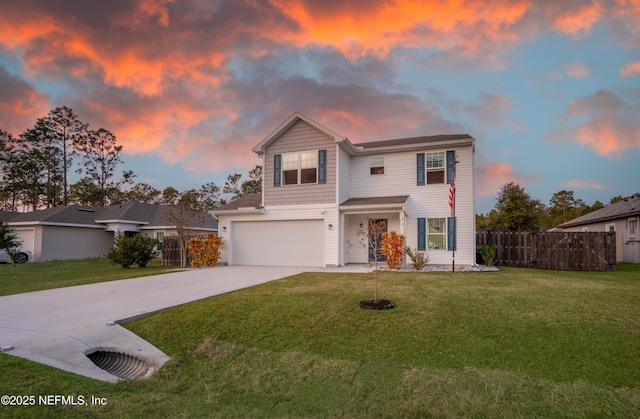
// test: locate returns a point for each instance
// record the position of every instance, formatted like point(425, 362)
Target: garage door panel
point(277, 243)
point(27, 238)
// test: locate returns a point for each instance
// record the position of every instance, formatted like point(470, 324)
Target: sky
point(549, 89)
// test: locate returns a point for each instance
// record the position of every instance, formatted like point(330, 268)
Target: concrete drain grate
point(119, 364)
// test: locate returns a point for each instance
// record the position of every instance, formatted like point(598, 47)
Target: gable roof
point(250, 202)
point(69, 214)
point(377, 200)
point(149, 215)
point(366, 147)
point(425, 139)
point(288, 123)
point(622, 209)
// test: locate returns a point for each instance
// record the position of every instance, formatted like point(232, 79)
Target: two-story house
point(319, 190)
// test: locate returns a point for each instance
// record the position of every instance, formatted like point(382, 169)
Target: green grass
point(66, 273)
point(515, 343)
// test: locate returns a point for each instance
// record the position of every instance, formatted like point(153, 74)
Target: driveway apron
point(60, 327)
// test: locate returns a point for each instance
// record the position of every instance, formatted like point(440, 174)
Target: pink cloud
point(583, 184)
point(577, 70)
point(630, 69)
point(611, 123)
point(491, 176)
point(20, 103)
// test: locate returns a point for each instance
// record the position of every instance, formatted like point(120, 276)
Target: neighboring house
point(319, 189)
point(623, 218)
point(77, 232)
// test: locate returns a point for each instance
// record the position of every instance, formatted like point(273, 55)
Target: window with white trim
point(611, 228)
point(437, 233)
point(376, 165)
point(435, 167)
point(300, 168)
point(632, 227)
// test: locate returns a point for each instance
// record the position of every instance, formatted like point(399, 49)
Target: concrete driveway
point(60, 327)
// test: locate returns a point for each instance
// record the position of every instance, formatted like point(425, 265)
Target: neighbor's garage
point(277, 243)
point(27, 237)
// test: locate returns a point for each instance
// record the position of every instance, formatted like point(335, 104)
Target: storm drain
point(119, 364)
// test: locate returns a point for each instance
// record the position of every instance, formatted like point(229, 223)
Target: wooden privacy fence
point(171, 250)
point(588, 251)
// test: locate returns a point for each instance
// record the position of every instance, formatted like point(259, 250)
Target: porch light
point(224, 228)
point(330, 226)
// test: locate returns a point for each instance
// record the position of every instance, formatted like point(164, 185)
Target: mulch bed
point(379, 305)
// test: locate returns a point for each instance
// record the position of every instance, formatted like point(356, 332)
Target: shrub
point(487, 253)
point(419, 259)
point(205, 251)
point(127, 251)
point(147, 248)
point(392, 247)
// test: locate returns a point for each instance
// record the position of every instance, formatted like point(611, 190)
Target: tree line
point(515, 209)
point(35, 168)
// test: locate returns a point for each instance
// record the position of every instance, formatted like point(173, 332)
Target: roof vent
point(86, 209)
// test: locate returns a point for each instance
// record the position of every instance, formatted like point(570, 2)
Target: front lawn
point(38, 276)
point(514, 343)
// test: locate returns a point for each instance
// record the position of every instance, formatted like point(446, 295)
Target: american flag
point(452, 195)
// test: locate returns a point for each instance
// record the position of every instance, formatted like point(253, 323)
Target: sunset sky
point(549, 89)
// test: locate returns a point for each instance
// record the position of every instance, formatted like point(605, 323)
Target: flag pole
point(452, 204)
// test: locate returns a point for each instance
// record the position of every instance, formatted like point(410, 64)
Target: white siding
point(428, 201)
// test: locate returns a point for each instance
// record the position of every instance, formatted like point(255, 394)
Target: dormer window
point(300, 168)
point(376, 165)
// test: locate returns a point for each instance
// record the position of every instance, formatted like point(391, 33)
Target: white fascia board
point(122, 222)
point(50, 223)
point(174, 227)
point(354, 209)
point(249, 210)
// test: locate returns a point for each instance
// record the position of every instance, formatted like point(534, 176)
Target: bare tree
point(372, 234)
point(185, 221)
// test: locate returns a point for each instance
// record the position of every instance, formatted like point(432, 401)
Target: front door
point(376, 228)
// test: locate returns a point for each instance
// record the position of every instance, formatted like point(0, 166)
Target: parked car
point(21, 256)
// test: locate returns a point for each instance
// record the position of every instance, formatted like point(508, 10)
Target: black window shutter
point(276, 169)
point(420, 168)
point(451, 233)
point(422, 234)
point(322, 166)
point(451, 158)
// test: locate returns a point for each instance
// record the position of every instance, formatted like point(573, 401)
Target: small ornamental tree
point(392, 247)
point(205, 251)
point(371, 236)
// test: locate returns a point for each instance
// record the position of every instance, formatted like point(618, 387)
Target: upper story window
point(300, 168)
point(435, 167)
point(376, 165)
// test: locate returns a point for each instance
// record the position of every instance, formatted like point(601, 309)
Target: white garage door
point(277, 243)
point(27, 238)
